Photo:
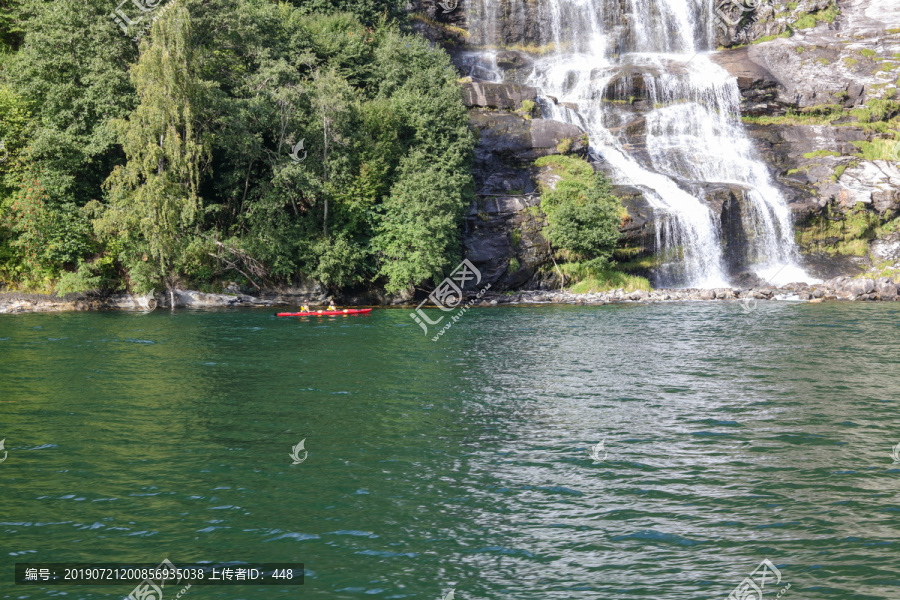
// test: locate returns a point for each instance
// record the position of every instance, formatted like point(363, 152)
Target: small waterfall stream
point(594, 53)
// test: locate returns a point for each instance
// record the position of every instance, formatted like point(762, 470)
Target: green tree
point(72, 90)
point(377, 197)
point(418, 235)
point(154, 198)
point(11, 30)
point(332, 101)
point(583, 215)
point(368, 11)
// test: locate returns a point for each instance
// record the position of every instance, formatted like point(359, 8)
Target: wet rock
point(886, 289)
point(504, 96)
point(859, 287)
point(500, 228)
point(549, 134)
point(886, 248)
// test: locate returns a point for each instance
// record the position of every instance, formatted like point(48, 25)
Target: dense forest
point(180, 142)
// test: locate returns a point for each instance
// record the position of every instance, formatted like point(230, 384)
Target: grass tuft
point(590, 280)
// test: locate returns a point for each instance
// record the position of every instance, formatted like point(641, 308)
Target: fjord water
point(694, 135)
point(732, 437)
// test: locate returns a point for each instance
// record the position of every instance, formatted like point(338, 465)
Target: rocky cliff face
point(823, 108)
point(819, 85)
point(503, 229)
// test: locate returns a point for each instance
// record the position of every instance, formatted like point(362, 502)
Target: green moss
point(835, 233)
point(881, 116)
point(450, 29)
point(513, 265)
point(870, 54)
point(816, 115)
point(642, 263)
point(882, 269)
point(564, 146)
point(824, 60)
point(527, 109)
point(805, 22)
point(516, 237)
point(838, 172)
point(529, 48)
point(809, 20)
point(769, 38)
point(765, 38)
point(567, 167)
point(863, 115)
point(590, 280)
point(883, 109)
point(821, 153)
point(850, 62)
point(878, 149)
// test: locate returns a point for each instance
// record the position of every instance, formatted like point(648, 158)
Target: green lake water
point(730, 438)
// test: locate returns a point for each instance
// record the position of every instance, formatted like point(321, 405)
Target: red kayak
point(327, 313)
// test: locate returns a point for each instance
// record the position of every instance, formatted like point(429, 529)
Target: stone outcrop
point(504, 96)
point(503, 239)
point(503, 230)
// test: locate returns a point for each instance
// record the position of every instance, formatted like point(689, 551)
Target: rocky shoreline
point(12, 302)
point(839, 288)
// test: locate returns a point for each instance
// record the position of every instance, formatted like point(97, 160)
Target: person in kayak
point(304, 308)
point(331, 305)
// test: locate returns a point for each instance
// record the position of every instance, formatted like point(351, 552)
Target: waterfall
point(594, 54)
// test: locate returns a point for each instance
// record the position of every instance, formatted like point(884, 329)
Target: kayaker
point(304, 308)
point(331, 306)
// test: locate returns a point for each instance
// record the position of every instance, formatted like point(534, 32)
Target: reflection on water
point(731, 438)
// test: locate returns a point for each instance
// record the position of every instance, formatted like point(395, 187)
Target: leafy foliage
point(154, 201)
point(170, 162)
point(583, 215)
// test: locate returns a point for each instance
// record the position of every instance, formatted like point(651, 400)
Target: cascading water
point(594, 52)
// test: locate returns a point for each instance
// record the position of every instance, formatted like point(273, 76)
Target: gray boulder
point(506, 96)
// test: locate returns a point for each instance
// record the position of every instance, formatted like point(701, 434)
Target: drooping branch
point(239, 257)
